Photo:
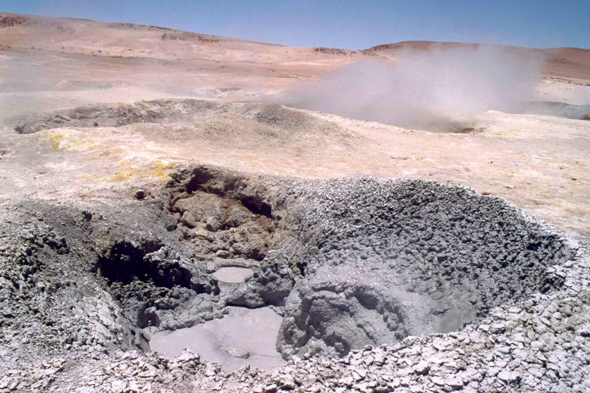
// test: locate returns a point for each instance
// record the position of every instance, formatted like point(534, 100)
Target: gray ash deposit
point(378, 260)
point(349, 264)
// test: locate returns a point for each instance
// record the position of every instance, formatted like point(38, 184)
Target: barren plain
point(153, 185)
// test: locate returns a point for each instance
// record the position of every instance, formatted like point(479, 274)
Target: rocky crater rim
point(271, 119)
point(355, 262)
point(186, 111)
point(346, 262)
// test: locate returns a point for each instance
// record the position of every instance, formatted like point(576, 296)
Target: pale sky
point(349, 24)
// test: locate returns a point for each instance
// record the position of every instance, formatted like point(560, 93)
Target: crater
point(382, 259)
point(267, 119)
point(324, 266)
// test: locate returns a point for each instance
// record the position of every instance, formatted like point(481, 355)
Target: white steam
point(420, 89)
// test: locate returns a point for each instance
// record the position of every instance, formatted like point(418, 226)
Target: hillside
point(562, 62)
point(126, 40)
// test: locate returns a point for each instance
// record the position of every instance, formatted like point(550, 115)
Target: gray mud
point(232, 275)
point(385, 259)
point(241, 337)
point(348, 264)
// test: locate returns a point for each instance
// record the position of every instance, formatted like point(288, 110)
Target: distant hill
point(86, 37)
point(566, 62)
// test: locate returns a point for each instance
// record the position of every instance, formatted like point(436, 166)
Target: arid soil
point(148, 186)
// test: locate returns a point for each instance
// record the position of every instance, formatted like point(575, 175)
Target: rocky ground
point(82, 288)
point(141, 195)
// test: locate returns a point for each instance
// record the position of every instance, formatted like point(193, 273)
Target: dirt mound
point(163, 111)
point(276, 115)
point(111, 115)
point(186, 123)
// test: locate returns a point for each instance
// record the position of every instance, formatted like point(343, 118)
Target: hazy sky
point(350, 24)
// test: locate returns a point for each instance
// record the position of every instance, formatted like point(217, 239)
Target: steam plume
point(420, 89)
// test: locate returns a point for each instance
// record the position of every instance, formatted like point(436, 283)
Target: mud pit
point(335, 266)
point(346, 263)
point(242, 337)
point(205, 116)
point(388, 259)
